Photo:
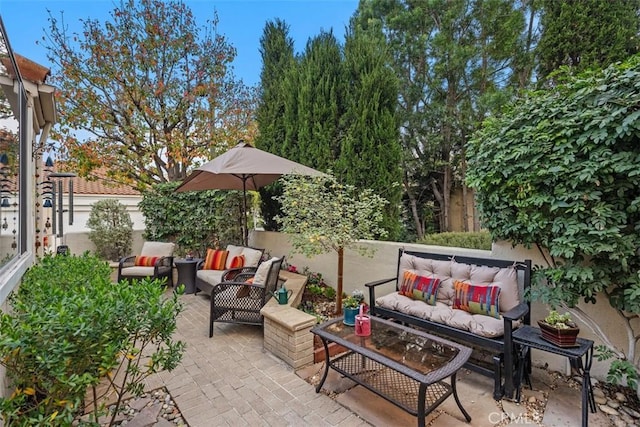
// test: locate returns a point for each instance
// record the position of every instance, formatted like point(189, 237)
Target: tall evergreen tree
point(276, 50)
point(320, 101)
point(587, 33)
point(370, 151)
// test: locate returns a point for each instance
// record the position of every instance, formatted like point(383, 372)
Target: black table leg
point(326, 365)
point(455, 396)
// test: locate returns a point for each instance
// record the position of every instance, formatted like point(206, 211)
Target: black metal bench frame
point(504, 355)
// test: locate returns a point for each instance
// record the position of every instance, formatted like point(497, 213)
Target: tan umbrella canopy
point(243, 167)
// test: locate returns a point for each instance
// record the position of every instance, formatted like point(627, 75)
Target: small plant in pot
point(559, 329)
point(351, 306)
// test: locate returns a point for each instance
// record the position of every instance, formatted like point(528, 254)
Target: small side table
point(187, 273)
point(527, 337)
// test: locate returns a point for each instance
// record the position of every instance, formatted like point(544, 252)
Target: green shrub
point(475, 240)
point(70, 328)
point(111, 229)
point(193, 220)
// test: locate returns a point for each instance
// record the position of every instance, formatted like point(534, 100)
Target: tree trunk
point(413, 205)
point(339, 291)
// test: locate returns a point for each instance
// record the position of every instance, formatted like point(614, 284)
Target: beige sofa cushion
point(450, 271)
point(478, 324)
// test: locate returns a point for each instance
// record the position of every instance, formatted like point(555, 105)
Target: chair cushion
point(262, 272)
point(216, 259)
point(477, 299)
point(212, 277)
point(478, 324)
point(251, 257)
point(146, 261)
point(157, 249)
point(137, 271)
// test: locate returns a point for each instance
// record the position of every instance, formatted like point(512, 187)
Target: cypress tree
point(370, 152)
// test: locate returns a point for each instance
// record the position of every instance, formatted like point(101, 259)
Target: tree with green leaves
point(111, 229)
point(319, 102)
point(558, 171)
point(147, 92)
point(455, 61)
point(321, 215)
point(276, 49)
point(370, 150)
point(587, 33)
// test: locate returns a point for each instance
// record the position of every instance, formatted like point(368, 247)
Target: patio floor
point(230, 380)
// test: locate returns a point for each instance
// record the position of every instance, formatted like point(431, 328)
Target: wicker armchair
point(155, 261)
point(243, 292)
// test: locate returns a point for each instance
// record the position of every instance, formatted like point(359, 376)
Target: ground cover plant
point(70, 331)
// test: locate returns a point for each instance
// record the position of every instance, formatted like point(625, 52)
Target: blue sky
point(241, 21)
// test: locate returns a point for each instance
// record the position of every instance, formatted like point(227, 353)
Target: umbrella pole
point(244, 212)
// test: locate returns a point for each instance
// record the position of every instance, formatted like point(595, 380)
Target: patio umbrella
point(243, 167)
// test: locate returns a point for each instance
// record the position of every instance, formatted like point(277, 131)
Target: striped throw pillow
point(216, 259)
point(146, 261)
point(477, 299)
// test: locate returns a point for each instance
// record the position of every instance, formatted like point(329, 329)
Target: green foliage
point(601, 32)
point(331, 107)
point(370, 152)
point(66, 332)
point(455, 60)
point(559, 171)
point(194, 220)
point(354, 300)
point(560, 321)
point(475, 240)
point(111, 229)
point(322, 215)
point(620, 370)
point(152, 90)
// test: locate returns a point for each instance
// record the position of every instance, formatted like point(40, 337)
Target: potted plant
point(351, 306)
point(559, 329)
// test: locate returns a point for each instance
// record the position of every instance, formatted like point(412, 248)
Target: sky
point(240, 21)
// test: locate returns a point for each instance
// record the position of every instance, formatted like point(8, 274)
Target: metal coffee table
point(405, 366)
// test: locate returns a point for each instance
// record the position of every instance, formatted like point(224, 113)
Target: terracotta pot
point(559, 337)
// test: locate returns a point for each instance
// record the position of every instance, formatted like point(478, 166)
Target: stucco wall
point(359, 270)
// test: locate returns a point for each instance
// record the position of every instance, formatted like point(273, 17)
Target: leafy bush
point(475, 240)
point(71, 329)
point(194, 220)
point(111, 229)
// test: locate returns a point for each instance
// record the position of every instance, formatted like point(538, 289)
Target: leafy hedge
point(475, 240)
point(194, 220)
